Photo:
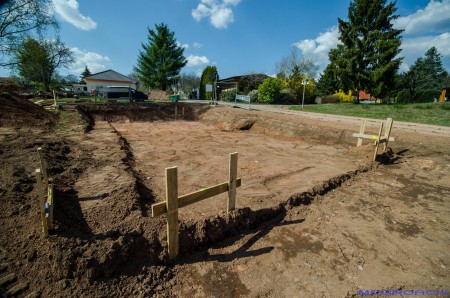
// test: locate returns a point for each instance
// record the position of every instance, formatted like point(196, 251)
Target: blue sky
point(238, 36)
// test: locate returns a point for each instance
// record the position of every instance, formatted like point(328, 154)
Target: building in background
point(101, 80)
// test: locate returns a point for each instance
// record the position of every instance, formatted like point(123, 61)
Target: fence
point(174, 202)
point(378, 138)
point(242, 98)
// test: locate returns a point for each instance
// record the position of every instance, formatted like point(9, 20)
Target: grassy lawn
point(426, 113)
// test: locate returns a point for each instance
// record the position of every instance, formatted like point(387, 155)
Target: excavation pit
point(274, 165)
point(314, 215)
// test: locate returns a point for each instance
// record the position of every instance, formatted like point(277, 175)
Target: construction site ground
point(315, 217)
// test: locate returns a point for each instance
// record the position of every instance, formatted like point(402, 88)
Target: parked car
point(80, 90)
point(121, 92)
point(65, 93)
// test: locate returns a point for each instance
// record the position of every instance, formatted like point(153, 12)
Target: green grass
point(426, 113)
point(70, 122)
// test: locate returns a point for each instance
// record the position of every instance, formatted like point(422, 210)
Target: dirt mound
point(17, 111)
point(276, 125)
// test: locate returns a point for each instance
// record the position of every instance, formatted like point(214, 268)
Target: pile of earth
point(18, 111)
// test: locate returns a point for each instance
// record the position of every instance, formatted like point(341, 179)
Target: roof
point(109, 75)
point(237, 78)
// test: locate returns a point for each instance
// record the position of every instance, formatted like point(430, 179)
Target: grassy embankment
point(426, 113)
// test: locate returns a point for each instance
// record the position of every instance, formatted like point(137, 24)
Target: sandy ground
point(315, 217)
point(272, 169)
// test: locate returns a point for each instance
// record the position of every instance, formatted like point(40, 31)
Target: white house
point(107, 78)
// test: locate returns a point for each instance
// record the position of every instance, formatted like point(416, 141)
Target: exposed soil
point(315, 217)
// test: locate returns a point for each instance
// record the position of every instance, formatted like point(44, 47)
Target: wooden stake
point(54, 98)
point(42, 202)
point(43, 166)
point(377, 142)
point(176, 112)
point(232, 182)
point(361, 131)
point(387, 132)
point(172, 211)
point(182, 112)
point(50, 204)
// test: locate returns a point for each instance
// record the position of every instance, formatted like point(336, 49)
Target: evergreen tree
point(366, 59)
point(425, 78)
point(160, 58)
point(209, 76)
point(86, 72)
point(328, 83)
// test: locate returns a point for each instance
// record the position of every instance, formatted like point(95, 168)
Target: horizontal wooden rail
point(194, 197)
point(372, 137)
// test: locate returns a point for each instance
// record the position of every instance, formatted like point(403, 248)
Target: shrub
point(253, 95)
point(343, 97)
point(269, 90)
point(287, 96)
point(404, 96)
point(228, 95)
point(426, 95)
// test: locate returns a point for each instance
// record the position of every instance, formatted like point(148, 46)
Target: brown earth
point(315, 217)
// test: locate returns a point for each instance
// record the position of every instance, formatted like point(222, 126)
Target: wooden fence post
point(172, 211)
point(42, 202)
point(50, 205)
point(387, 132)
point(232, 182)
point(43, 166)
point(176, 112)
point(54, 98)
point(377, 142)
point(361, 131)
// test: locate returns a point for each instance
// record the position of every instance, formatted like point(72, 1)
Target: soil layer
point(315, 217)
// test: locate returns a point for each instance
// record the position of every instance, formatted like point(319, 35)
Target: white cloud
point(220, 13)
point(232, 2)
point(413, 48)
point(184, 45)
point(197, 45)
point(197, 60)
point(319, 47)
point(94, 61)
point(435, 18)
point(69, 12)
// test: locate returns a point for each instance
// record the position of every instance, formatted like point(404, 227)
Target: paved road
point(354, 121)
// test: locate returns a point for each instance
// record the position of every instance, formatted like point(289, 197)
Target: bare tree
point(296, 62)
point(20, 18)
point(189, 82)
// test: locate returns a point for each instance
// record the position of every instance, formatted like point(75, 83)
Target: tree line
point(367, 58)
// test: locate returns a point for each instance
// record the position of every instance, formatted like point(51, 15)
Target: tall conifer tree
point(370, 47)
point(160, 58)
